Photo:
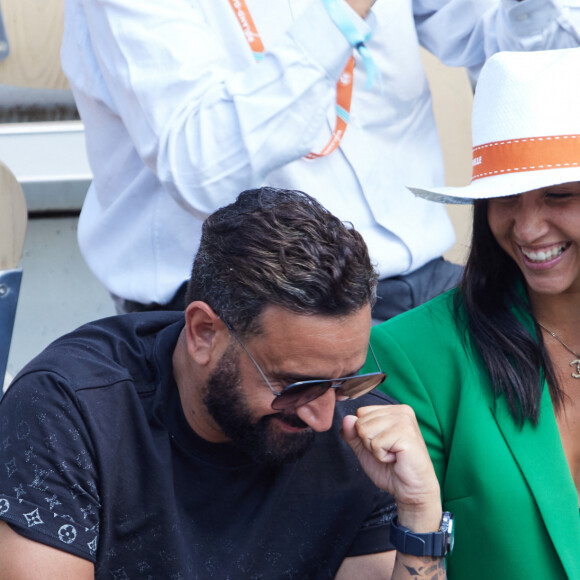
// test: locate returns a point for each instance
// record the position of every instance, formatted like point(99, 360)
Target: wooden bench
point(34, 29)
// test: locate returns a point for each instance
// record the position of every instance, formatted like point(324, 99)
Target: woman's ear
point(205, 332)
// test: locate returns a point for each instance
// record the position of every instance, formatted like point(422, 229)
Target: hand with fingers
point(390, 448)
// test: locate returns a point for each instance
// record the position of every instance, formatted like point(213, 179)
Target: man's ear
point(205, 332)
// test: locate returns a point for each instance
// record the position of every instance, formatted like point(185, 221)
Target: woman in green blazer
point(492, 369)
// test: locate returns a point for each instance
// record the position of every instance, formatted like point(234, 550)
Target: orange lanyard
point(343, 86)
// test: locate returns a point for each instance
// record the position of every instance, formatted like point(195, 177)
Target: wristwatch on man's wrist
point(436, 544)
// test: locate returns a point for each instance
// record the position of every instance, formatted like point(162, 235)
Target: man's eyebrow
point(294, 377)
point(354, 373)
point(298, 378)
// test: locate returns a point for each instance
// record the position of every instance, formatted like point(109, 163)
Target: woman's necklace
point(576, 361)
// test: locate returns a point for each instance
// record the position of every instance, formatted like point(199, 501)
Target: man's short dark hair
point(279, 247)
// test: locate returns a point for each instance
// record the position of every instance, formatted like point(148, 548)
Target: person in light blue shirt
point(182, 112)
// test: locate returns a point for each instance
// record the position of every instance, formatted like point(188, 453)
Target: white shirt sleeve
point(445, 30)
point(195, 118)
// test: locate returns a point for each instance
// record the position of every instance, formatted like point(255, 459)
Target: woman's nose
point(529, 221)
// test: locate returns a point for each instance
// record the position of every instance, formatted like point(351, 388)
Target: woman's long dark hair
point(493, 301)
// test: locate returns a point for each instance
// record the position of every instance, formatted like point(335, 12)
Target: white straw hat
point(525, 126)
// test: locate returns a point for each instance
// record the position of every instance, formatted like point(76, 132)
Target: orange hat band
point(531, 154)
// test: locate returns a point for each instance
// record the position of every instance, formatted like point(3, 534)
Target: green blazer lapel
point(540, 456)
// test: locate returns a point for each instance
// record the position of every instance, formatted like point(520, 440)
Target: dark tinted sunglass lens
point(357, 386)
point(300, 395)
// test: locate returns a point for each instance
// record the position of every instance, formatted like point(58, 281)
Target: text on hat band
point(530, 154)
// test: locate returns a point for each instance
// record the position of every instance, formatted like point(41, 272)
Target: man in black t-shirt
point(208, 444)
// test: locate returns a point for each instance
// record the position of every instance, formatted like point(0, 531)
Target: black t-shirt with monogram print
point(97, 459)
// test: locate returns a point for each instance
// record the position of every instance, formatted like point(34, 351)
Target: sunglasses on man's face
point(303, 392)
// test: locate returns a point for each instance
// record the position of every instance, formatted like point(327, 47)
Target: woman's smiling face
point(540, 231)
